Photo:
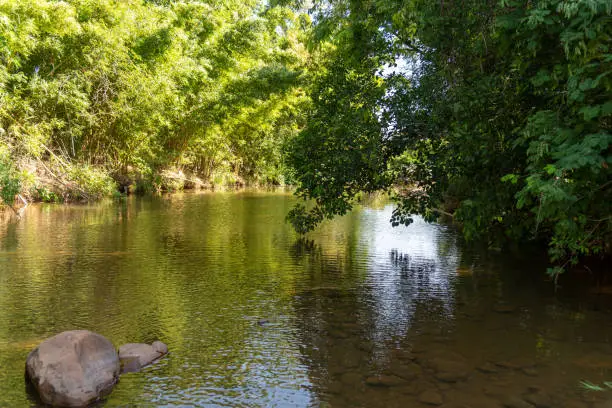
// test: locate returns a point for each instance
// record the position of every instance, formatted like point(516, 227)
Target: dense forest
point(99, 93)
point(496, 114)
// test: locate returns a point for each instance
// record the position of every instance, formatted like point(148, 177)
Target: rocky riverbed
point(435, 374)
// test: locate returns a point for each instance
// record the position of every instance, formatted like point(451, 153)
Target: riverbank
point(59, 181)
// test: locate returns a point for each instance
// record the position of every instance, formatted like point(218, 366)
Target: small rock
point(516, 402)
point(383, 381)
point(524, 362)
point(335, 388)
point(449, 367)
point(539, 399)
point(431, 397)
point(135, 356)
point(504, 308)
point(469, 399)
point(574, 404)
point(488, 368)
point(130, 365)
point(350, 360)
point(455, 405)
point(351, 378)
point(590, 397)
point(506, 364)
point(531, 372)
point(451, 377)
point(365, 346)
point(407, 371)
point(450, 371)
point(594, 361)
point(418, 349)
point(410, 389)
point(403, 355)
point(496, 391)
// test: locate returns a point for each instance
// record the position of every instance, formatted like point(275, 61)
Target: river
point(359, 315)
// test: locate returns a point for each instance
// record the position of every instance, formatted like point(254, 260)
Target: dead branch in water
point(72, 185)
point(25, 205)
point(23, 200)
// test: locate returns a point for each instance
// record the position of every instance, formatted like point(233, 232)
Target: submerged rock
point(504, 308)
point(539, 399)
point(450, 370)
point(431, 397)
point(351, 378)
point(73, 368)
point(516, 363)
point(135, 356)
point(516, 402)
point(383, 380)
point(446, 365)
point(488, 368)
point(578, 404)
point(406, 371)
point(530, 371)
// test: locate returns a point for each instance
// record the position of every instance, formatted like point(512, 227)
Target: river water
point(360, 315)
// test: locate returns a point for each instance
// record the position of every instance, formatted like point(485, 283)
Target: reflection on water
point(358, 314)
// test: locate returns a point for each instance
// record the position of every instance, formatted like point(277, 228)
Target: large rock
point(135, 356)
point(73, 369)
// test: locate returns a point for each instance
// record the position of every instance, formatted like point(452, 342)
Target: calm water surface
point(363, 315)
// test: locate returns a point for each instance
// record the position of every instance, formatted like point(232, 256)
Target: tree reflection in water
point(354, 327)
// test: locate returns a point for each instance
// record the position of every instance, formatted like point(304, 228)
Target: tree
point(499, 116)
point(93, 89)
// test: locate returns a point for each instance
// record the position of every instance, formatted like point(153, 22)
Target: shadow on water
point(427, 325)
point(302, 247)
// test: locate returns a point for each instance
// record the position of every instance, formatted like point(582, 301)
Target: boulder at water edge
point(73, 369)
point(135, 356)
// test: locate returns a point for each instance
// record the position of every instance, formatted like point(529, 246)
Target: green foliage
point(589, 386)
point(45, 195)
point(10, 183)
point(303, 219)
point(91, 182)
point(340, 152)
point(497, 113)
point(139, 87)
